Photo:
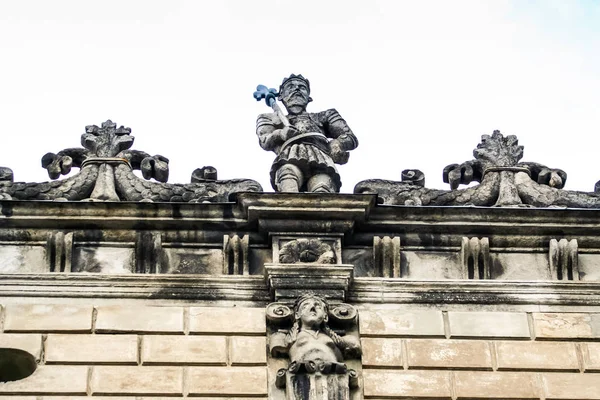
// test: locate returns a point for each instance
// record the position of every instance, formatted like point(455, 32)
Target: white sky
point(418, 81)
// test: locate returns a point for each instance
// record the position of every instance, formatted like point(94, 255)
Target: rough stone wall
point(138, 350)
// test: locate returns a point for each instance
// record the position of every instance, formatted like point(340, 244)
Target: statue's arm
point(278, 344)
point(338, 129)
point(350, 346)
point(269, 132)
point(343, 138)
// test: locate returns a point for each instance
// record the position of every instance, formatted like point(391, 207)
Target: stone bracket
point(564, 259)
point(286, 282)
point(475, 255)
point(235, 255)
point(148, 252)
point(386, 256)
point(59, 251)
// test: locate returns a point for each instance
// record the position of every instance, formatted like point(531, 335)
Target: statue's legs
point(289, 178)
point(321, 183)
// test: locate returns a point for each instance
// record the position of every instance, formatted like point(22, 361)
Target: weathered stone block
point(47, 318)
point(116, 349)
point(571, 386)
point(380, 352)
point(566, 325)
point(193, 261)
point(22, 259)
point(227, 320)
point(405, 384)
point(401, 323)
point(520, 266)
point(51, 379)
point(433, 265)
point(591, 356)
point(498, 385)
point(104, 260)
point(137, 380)
point(184, 349)
point(431, 353)
point(140, 319)
point(537, 355)
point(29, 343)
point(32, 398)
point(488, 324)
point(248, 350)
point(224, 381)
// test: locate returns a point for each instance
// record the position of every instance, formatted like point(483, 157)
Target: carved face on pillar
point(295, 94)
point(311, 311)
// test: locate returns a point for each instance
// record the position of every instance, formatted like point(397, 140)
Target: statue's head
point(294, 92)
point(311, 311)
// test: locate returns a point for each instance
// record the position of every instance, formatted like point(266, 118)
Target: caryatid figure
point(308, 145)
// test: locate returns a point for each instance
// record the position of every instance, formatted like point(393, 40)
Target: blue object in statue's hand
point(262, 92)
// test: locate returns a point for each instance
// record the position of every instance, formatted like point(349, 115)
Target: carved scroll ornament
point(106, 166)
point(503, 181)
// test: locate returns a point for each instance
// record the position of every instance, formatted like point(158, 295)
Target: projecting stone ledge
point(306, 212)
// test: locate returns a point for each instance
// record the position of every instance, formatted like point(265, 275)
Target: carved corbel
point(564, 259)
point(475, 254)
point(321, 345)
point(386, 256)
point(59, 251)
point(308, 263)
point(148, 252)
point(235, 255)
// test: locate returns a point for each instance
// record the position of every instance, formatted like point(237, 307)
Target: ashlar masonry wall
point(138, 350)
point(133, 351)
point(480, 355)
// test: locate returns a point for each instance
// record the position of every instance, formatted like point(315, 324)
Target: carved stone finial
point(308, 145)
point(504, 181)
point(106, 164)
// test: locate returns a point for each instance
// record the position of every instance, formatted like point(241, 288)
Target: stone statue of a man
point(309, 146)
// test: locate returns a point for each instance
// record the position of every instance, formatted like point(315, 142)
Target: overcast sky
point(418, 82)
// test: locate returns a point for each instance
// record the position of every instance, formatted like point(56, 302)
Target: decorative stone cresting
point(504, 181)
point(316, 352)
point(106, 174)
